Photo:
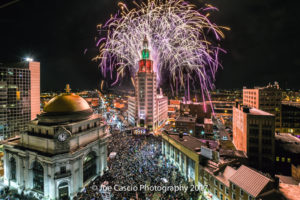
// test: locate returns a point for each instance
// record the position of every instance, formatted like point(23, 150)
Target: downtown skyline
point(261, 45)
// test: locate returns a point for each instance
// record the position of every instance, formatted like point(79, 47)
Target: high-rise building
point(265, 98)
point(35, 90)
point(147, 109)
point(254, 133)
point(19, 97)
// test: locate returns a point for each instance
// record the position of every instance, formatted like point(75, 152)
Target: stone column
point(26, 173)
point(80, 180)
point(6, 167)
point(46, 179)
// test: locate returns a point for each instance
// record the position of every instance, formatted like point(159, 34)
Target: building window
point(233, 187)
point(283, 159)
point(277, 159)
point(227, 190)
point(63, 170)
point(221, 186)
point(38, 176)
point(241, 192)
point(216, 192)
point(289, 160)
point(216, 183)
point(13, 168)
point(221, 196)
point(233, 196)
point(89, 166)
point(250, 197)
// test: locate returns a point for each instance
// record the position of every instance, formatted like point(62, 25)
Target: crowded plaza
point(137, 170)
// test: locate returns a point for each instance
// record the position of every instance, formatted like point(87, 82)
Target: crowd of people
point(7, 194)
point(137, 165)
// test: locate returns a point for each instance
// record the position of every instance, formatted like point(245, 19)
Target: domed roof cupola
point(65, 108)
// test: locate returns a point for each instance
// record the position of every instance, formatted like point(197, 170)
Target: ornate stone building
point(63, 150)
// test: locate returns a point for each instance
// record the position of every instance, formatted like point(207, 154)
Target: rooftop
point(291, 192)
point(224, 177)
point(288, 142)
point(188, 141)
point(287, 180)
point(186, 119)
point(254, 111)
point(249, 180)
point(208, 121)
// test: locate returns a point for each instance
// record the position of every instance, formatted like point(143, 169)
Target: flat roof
point(291, 192)
point(288, 142)
point(186, 119)
point(208, 121)
point(254, 111)
point(188, 141)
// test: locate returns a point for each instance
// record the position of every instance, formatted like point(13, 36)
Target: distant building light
point(29, 59)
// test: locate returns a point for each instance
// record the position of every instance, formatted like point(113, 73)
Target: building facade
point(290, 116)
point(254, 133)
point(186, 125)
point(63, 149)
point(198, 110)
point(179, 153)
point(215, 173)
point(267, 99)
point(147, 109)
point(19, 97)
point(231, 183)
point(287, 152)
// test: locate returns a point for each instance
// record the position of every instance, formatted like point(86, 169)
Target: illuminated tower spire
point(146, 64)
point(145, 51)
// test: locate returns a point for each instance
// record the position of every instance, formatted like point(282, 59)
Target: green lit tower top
point(145, 52)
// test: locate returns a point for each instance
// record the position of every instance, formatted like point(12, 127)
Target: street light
point(29, 59)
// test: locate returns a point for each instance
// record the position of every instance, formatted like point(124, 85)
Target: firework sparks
point(182, 41)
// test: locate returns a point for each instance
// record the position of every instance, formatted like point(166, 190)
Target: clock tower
point(63, 150)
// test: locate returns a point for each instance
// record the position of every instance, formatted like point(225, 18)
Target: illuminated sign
point(206, 152)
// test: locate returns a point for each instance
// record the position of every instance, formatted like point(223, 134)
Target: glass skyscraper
point(19, 97)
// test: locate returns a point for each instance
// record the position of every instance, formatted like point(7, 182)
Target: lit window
point(277, 159)
point(289, 160)
point(283, 159)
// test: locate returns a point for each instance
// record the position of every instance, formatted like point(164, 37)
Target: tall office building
point(147, 109)
point(254, 133)
point(265, 98)
point(19, 97)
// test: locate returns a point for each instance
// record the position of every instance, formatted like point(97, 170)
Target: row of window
point(283, 159)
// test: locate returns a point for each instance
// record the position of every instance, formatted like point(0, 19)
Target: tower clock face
point(62, 137)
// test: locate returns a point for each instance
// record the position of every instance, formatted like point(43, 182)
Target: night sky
point(262, 45)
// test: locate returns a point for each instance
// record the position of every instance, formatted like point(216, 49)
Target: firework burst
point(182, 40)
